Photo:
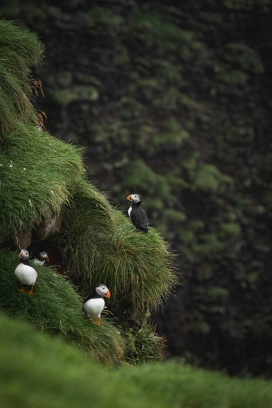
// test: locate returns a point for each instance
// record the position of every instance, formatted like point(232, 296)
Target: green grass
point(37, 176)
point(42, 177)
point(37, 371)
point(19, 50)
point(56, 308)
point(176, 385)
point(83, 217)
point(136, 267)
point(143, 345)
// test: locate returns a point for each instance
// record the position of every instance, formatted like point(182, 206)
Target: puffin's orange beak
point(20, 254)
point(47, 259)
point(129, 198)
point(107, 294)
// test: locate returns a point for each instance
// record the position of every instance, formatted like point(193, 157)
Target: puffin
point(41, 258)
point(137, 214)
point(26, 274)
point(94, 306)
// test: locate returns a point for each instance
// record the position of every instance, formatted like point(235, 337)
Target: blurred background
point(172, 100)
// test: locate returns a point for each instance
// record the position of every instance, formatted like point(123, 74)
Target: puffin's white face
point(102, 290)
point(44, 255)
point(136, 198)
point(23, 254)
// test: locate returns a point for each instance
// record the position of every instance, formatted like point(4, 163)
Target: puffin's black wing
point(139, 219)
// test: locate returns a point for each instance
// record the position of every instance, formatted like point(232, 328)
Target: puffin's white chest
point(26, 274)
point(129, 211)
point(94, 307)
point(37, 262)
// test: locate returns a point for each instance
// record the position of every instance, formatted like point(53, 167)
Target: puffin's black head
point(136, 198)
point(24, 254)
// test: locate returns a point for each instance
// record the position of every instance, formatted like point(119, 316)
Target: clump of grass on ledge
point(143, 345)
point(19, 50)
point(137, 267)
point(37, 176)
point(56, 308)
point(86, 213)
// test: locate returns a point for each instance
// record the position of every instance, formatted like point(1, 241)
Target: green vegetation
point(46, 201)
point(172, 102)
point(36, 370)
point(136, 266)
point(32, 186)
point(208, 178)
point(19, 50)
point(56, 308)
point(40, 371)
point(143, 345)
point(176, 385)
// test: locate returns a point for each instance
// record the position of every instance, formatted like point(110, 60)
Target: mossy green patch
point(215, 294)
point(230, 229)
point(208, 178)
point(208, 245)
point(73, 93)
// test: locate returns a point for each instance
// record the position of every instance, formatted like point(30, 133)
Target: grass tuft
point(82, 218)
point(37, 176)
point(143, 345)
point(137, 267)
point(19, 50)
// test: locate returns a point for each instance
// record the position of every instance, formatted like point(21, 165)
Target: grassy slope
point(188, 126)
point(40, 372)
point(183, 386)
point(56, 308)
point(42, 177)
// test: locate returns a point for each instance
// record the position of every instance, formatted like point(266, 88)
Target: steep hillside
point(47, 204)
point(172, 100)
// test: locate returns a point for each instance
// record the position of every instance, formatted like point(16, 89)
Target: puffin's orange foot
point(21, 290)
point(31, 291)
point(98, 321)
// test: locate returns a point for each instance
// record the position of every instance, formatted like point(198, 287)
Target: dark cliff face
point(173, 101)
